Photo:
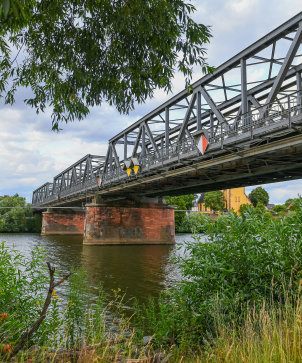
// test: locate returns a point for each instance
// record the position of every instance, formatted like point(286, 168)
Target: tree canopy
point(259, 195)
point(16, 215)
point(214, 200)
point(76, 54)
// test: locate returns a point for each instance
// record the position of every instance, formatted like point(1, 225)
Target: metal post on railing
point(289, 112)
point(221, 135)
point(211, 125)
point(299, 91)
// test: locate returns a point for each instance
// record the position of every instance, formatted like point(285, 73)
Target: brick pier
point(114, 224)
point(63, 222)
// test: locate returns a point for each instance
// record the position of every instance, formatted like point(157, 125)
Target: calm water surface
point(139, 271)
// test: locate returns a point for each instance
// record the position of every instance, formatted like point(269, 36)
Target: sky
point(32, 154)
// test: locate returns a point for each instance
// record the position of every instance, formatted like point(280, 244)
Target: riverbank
point(237, 290)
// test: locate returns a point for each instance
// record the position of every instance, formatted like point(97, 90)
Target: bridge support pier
point(129, 224)
point(62, 222)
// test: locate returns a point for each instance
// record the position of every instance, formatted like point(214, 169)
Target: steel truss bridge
point(249, 110)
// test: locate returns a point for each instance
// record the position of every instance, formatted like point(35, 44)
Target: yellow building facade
point(234, 198)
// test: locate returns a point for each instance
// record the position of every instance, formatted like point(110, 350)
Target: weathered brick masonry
point(152, 224)
point(63, 223)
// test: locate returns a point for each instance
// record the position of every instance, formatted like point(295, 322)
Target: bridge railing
point(154, 160)
point(284, 108)
point(79, 178)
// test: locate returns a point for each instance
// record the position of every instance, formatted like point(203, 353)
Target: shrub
point(194, 223)
point(23, 288)
point(23, 285)
point(244, 208)
point(247, 259)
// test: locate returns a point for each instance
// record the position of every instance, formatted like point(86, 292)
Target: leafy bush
point(194, 223)
point(247, 259)
point(23, 284)
point(23, 289)
point(244, 208)
point(280, 208)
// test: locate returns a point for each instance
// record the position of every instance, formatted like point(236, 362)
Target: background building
point(234, 198)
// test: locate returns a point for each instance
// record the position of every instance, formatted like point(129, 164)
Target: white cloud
point(280, 192)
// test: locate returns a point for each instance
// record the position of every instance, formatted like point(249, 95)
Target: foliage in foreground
point(76, 328)
point(17, 216)
point(272, 333)
point(243, 261)
point(23, 288)
point(77, 54)
point(240, 289)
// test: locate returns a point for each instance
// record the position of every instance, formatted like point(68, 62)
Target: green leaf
point(5, 6)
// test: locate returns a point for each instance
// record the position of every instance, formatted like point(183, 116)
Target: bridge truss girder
point(254, 96)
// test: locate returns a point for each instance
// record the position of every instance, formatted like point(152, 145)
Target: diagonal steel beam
point(267, 59)
point(271, 62)
point(284, 68)
point(136, 145)
point(213, 107)
point(224, 89)
point(254, 102)
point(229, 88)
point(149, 133)
point(106, 162)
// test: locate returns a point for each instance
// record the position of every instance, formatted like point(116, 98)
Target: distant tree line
point(16, 216)
point(182, 203)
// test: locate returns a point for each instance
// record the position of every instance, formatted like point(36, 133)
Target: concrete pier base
point(116, 224)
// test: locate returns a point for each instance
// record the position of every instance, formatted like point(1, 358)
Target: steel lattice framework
point(252, 98)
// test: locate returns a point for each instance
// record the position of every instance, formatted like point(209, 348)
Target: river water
point(139, 271)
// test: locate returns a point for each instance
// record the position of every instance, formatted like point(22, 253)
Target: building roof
point(201, 198)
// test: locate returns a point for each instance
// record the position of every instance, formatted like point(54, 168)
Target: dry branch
point(26, 336)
